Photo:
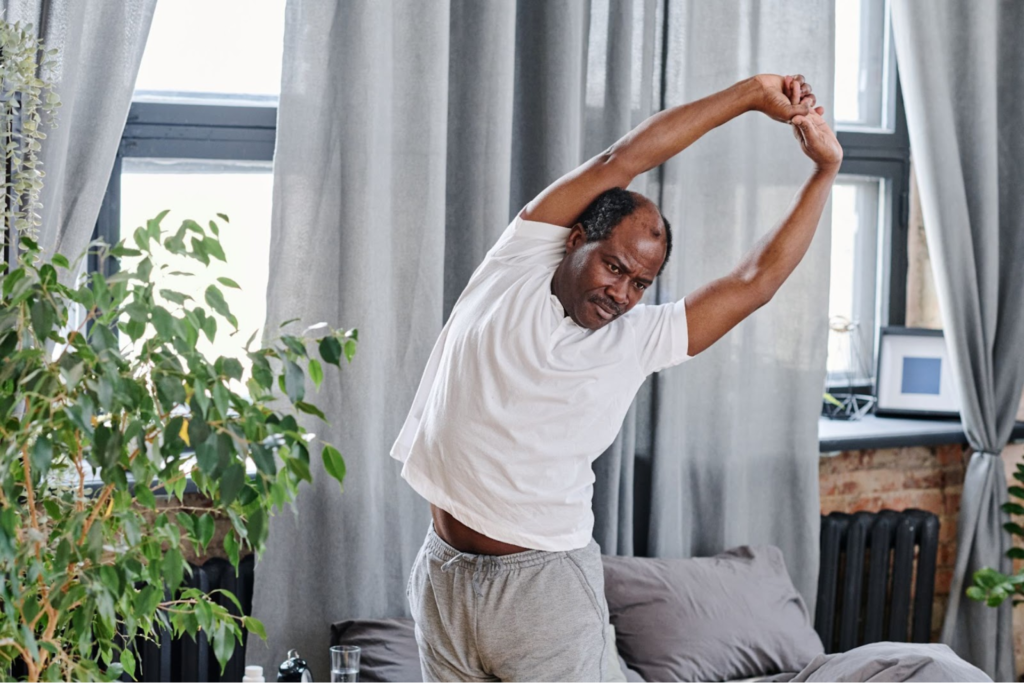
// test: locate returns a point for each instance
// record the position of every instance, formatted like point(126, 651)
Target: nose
point(619, 292)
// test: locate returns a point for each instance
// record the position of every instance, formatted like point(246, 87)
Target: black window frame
point(884, 154)
point(182, 130)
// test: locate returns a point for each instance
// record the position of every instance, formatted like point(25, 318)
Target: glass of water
point(344, 663)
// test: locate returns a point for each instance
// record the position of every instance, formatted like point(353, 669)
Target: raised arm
point(662, 136)
point(715, 308)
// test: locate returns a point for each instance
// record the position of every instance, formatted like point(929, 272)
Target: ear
point(577, 237)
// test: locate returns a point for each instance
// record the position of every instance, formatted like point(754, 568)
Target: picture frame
point(914, 377)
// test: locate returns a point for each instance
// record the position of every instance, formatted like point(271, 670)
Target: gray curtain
point(962, 69)
point(100, 44)
point(723, 450)
point(409, 135)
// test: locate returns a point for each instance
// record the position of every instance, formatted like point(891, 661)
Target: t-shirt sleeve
point(662, 336)
point(530, 242)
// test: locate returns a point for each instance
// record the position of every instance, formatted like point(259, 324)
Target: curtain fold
point(100, 48)
point(962, 69)
point(409, 135)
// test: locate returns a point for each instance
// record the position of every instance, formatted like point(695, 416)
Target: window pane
point(857, 209)
point(214, 51)
point(200, 190)
point(865, 70)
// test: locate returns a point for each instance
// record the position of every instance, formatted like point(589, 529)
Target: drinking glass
point(344, 663)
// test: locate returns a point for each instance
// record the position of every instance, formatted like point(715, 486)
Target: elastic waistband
point(440, 550)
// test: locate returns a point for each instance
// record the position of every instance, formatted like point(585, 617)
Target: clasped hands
point(789, 99)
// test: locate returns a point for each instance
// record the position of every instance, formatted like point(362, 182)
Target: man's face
point(606, 278)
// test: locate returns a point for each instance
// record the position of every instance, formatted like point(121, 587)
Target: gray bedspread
point(888, 662)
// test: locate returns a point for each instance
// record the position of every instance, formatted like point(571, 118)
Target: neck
point(557, 289)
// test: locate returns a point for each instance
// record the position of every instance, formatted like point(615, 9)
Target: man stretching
point(532, 376)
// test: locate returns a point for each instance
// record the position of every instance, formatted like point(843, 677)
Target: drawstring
point(477, 570)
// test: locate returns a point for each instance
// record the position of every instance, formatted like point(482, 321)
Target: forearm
point(777, 255)
point(665, 134)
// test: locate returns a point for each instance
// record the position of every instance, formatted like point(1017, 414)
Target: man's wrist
point(752, 93)
point(829, 171)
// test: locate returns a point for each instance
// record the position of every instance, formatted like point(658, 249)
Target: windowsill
point(872, 431)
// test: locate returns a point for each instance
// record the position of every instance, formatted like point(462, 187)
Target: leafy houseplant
point(990, 585)
point(82, 574)
point(27, 105)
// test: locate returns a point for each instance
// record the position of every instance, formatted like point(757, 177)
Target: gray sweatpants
point(529, 616)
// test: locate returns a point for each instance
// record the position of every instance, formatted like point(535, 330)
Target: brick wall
point(928, 478)
point(898, 478)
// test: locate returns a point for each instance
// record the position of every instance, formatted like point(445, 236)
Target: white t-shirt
point(517, 400)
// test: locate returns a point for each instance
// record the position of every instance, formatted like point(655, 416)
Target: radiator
point(877, 578)
point(188, 659)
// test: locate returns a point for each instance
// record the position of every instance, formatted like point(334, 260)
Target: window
point(199, 140)
point(868, 285)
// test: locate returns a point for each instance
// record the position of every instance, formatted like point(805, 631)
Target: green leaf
point(216, 301)
point(175, 297)
point(264, 459)
point(1013, 508)
point(310, 409)
point(153, 224)
point(330, 351)
point(231, 548)
point(199, 251)
point(1017, 491)
point(231, 483)
point(300, 469)
point(145, 496)
point(42, 456)
point(294, 381)
point(975, 593)
point(210, 327)
point(214, 229)
point(221, 399)
point(223, 217)
point(223, 645)
point(128, 662)
point(231, 367)
point(350, 350)
point(253, 625)
point(334, 464)
point(289, 321)
point(295, 344)
point(261, 370)
point(228, 282)
point(256, 526)
point(316, 372)
point(43, 317)
point(173, 569)
point(1014, 528)
point(1015, 553)
point(213, 248)
point(60, 260)
point(141, 238)
point(145, 269)
point(205, 527)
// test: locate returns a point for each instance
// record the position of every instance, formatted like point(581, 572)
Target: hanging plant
point(28, 105)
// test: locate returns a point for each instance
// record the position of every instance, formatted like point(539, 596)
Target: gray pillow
point(389, 651)
point(731, 616)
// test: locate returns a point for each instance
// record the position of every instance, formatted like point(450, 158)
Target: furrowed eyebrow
point(642, 280)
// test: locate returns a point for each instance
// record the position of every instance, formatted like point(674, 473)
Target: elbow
point(762, 285)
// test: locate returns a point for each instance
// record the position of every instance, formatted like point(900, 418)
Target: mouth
point(604, 312)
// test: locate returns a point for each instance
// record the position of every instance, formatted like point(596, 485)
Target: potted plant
point(127, 394)
point(101, 380)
